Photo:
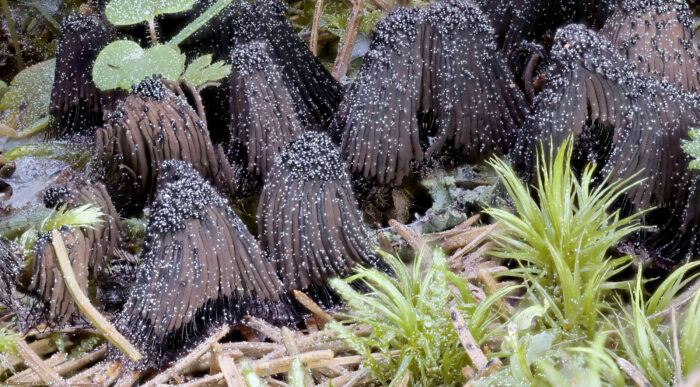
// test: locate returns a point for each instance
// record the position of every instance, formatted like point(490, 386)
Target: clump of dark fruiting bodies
point(628, 124)
point(423, 86)
point(263, 116)
point(77, 104)
point(436, 81)
point(93, 253)
point(150, 126)
point(308, 219)
point(313, 90)
point(199, 267)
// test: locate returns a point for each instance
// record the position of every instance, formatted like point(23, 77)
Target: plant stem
point(199, 22)
point(13, 33)
point(313, 41)
point(89, 311)
point(340, 67)
point(152, 29)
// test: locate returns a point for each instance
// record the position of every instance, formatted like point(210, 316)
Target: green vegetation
point(127, 12)
point(7, 342)
point(124, 63)
point(573, 325)
point(648, 343)
point(411, 314)
point(75, 155)
point(26, 102)
point(692, 147)
point(560, 239)
point(83, 216)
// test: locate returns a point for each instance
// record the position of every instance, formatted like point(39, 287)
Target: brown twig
point(493, 286)
point(270, 331)
point(283, 364)
point(228, 366)
point(40, 347)
point(465, 337)
point(85, 375)
point(321, 316)
point(205, 381)
point(83, 303)
point(313, 40)
point(340, 67)
point(464, 226)
point(33, 361)
point(128, 378)
point(251, 349)
point(414, 239)
point(630, 370)
point(72, 365)
point(476, 240)
point(190, 358)
point(29, 376)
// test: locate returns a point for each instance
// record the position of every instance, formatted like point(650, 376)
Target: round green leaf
point(126, 12)
point(124, 63)
point(28, 96)
point(165, 61)
point(111, 68)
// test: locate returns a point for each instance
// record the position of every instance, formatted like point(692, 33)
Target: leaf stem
point(152, 29)
point(13, 33)
point(198, 22)
point(101, 323)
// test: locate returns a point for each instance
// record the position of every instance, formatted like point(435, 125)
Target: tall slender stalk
point(152, 30)
point(13, 34)
point(89, 311)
